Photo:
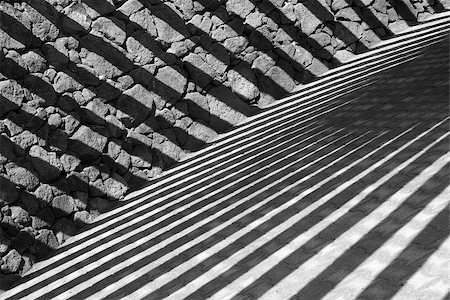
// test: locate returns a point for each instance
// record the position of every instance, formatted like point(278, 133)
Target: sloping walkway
point(338, 192)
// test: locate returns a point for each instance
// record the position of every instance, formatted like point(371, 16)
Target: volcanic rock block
point(243, 82)
point(44, 219)
point(47, 164)
point(66, 81)
point(45, 241)
point(169, 25)
point(22, 176)
point(115, 186)
point(111, 28)
point(11, 261)
point(170, 83)
point(11, 96)
point(44, 193)
point(240, 7)
point(63, 205)
point(8, 191)
point(20, 215)
point(134, 105)
point(87, 143)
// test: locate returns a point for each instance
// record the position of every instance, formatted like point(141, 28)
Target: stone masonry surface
point(98, 97)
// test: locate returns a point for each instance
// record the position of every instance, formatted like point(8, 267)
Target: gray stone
point(115, 186)
point(80, 199)
point(170, 83)
point(71, 122)
point(141, 157)
point(47, 164)
point(92, 172)
point(122, 162)
point(225, 114)
point(10, 29)
point(27, 263)
point(240, 7)
point(69, 162)
point(21, 176)
point(95, 112)
point(63, 205)
point(96, 188)
point(45, 241)
point(144, 19)
point(218, 59)
point(20, 215)
point(76, 19)
point(116, 128)
point(169, 26)
point(107, 60)
point(236, 44)
point(348, 14)
point(34, 61)
point(243, 82)
point(23, 240)
point(58, 141)
point(199, 70)
point(54, 120)
point(263, 63)
point(25, 139)
point(99, 205)
point(8, 191)
point(111, 28)
point(77, 181)
point(134, 105)
point(347, 32)
point(11, 96)
point(199, 134)
point(87, 143)
point(29, 202)
point(66, 82)
point(44, 193)
point(130, 7)
point(83, 218)
point(5, 242)
point(43, 219)
point(198, 106)
point(11, 262)
point(44, 24)
point(202, 23)
point(64, 228)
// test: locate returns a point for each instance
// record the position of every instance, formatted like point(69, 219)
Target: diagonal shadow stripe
point(370, 242)
point(298, 243)
point(284, 238)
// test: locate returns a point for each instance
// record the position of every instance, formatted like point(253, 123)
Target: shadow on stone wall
point(97, 99)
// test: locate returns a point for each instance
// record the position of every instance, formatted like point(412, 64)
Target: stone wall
point(99, 96)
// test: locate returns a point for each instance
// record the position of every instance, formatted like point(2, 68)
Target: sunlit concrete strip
point(226, 264)
point(209, 233)
point(368, 270)
point(243, 281)
point(103, 247)
point(431, 281)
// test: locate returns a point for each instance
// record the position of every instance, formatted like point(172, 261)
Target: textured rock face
point(98, 97)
